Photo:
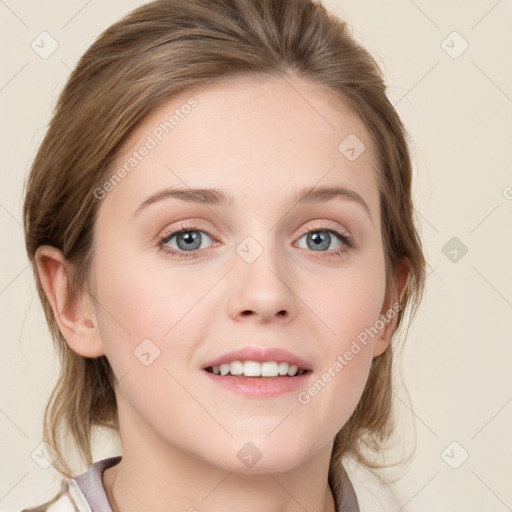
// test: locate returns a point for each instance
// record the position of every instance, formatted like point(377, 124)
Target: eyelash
point(347, 240)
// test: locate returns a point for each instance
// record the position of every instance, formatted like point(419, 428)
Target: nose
point(261, 284)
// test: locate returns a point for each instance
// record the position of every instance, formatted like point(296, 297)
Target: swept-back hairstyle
point(155, 52)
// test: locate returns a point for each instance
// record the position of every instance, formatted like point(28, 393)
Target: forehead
point(259, 138)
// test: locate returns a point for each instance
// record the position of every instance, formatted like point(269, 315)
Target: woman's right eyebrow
point(210, 196)
point(214, 196)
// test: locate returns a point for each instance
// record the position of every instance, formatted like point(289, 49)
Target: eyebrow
point(215, 197)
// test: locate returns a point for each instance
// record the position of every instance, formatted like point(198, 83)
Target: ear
point(75, 315)
point(390, 310)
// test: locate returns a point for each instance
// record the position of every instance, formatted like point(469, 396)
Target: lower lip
point(259, 386)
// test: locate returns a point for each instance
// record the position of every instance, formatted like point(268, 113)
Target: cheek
point(347, 307)
point(334, 394)
point(141, 304)
point(340, 382)
point(148, 325)
point(349, 300)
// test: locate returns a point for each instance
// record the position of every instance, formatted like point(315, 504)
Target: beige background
point(456, 361)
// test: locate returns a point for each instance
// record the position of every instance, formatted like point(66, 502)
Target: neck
point(269, 492)
point(157, 474)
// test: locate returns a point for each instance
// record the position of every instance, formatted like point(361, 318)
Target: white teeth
point(255, 369)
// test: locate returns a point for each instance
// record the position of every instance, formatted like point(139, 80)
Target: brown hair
point(155, 52)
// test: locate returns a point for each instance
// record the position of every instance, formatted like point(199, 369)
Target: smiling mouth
point(299, 373)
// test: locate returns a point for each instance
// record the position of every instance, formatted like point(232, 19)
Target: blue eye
point(189, 240)
point(321, 239)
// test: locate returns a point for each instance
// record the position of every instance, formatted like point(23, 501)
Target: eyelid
point(326, 226)
point(345, 237)
point(186, 226)
point(183, 227)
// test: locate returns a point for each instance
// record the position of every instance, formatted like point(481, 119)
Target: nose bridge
point(261, 276)
point(261, 239)
point(259, 252)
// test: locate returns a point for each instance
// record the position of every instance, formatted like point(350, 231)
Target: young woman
point(222, 233)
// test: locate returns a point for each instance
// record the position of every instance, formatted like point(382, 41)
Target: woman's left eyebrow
point(214, 196)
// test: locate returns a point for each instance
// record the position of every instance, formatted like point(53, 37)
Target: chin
point(253, 457)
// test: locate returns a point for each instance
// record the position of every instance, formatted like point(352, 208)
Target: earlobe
point(389, 312)
point(74, 314)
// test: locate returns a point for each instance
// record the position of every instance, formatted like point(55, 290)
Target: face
point(259, 270)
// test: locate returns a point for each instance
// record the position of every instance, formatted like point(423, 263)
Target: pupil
point(189, 240)
point(320, 239)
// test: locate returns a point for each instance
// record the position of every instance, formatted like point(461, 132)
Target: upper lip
point(260, 355)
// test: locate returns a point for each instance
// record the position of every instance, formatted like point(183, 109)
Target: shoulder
point(373, 493)
point(68, 499)
point(83, 493)
point(345, 493)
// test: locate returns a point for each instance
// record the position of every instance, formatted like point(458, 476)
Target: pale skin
point(261, 142)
